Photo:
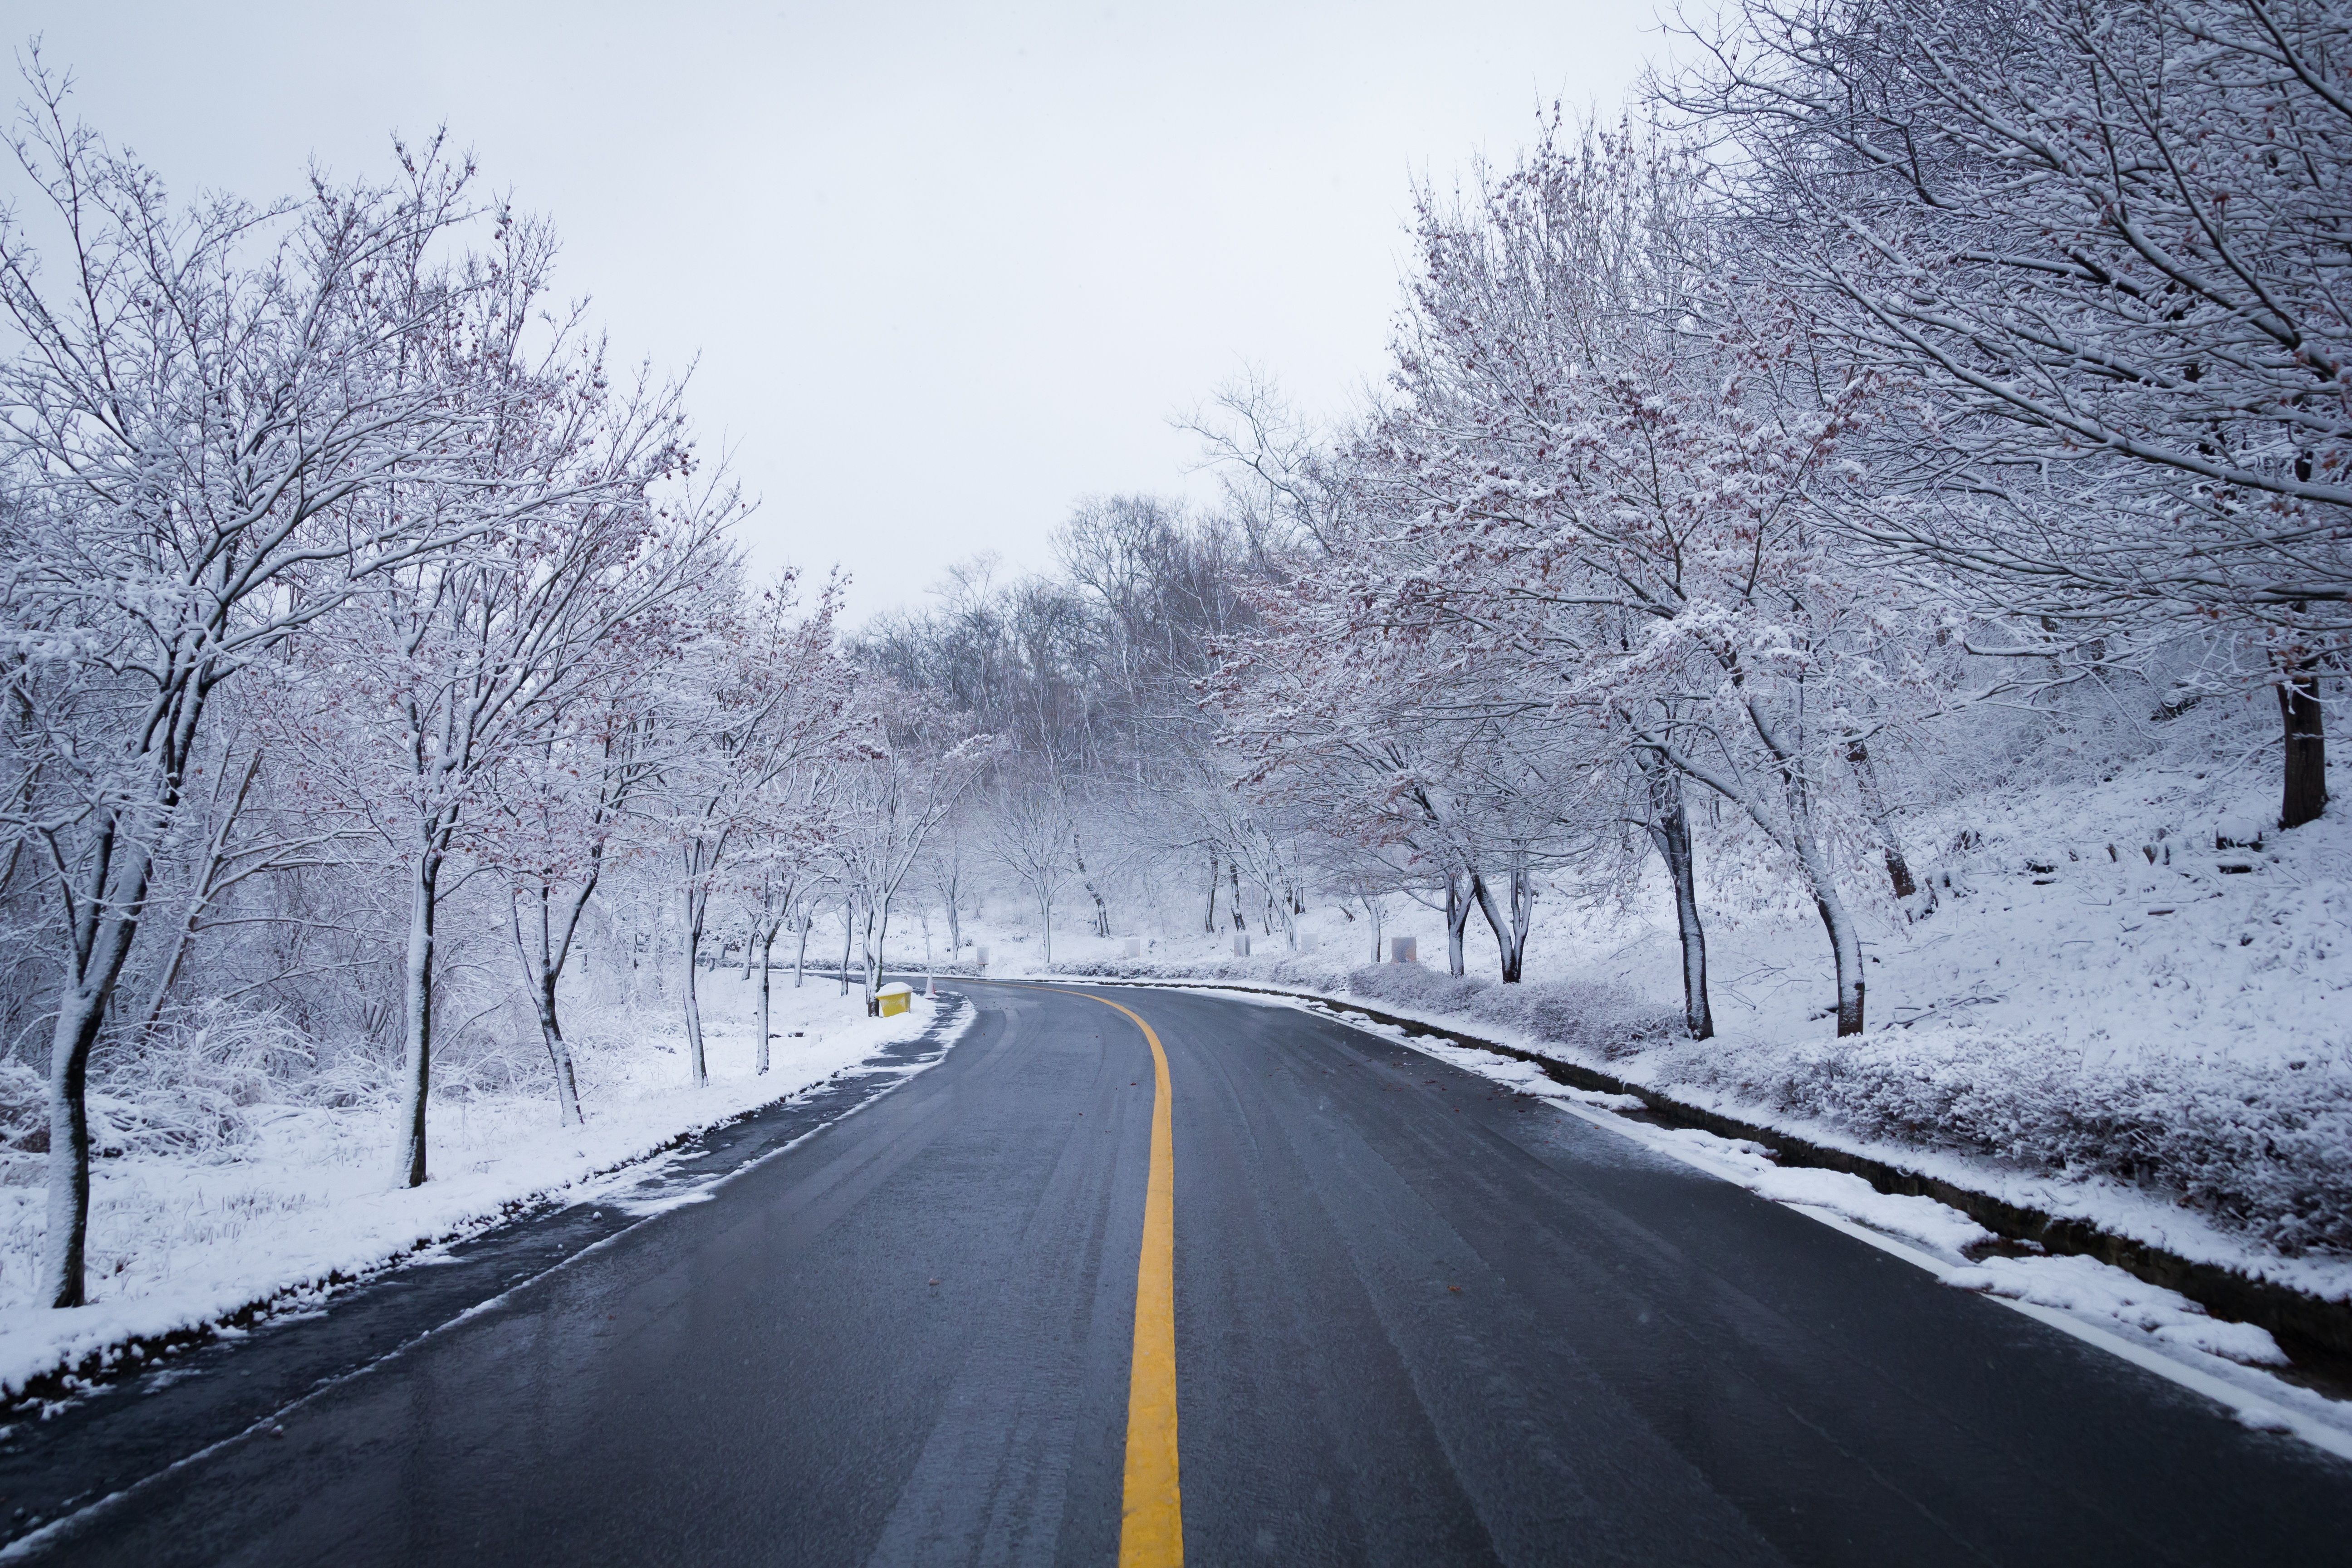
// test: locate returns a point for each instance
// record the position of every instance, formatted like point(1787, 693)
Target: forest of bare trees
point(1902, 363)
point(377, 650)
point(1893, 374)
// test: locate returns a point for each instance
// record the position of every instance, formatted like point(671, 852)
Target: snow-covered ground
point(306, 1194)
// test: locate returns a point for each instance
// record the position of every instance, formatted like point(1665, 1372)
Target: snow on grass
point(177, 1242)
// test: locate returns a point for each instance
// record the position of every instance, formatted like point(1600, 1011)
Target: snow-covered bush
point(24, 1107)
point(1599, 1020)
point(198, 1083)
point(1312, 971)
point(2262, 1150)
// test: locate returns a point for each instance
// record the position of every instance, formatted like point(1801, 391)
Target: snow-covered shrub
point(190, 1085)
point(24, 1107)
point(1600, 1020)
point(1311, 970)
point(2266, 1150)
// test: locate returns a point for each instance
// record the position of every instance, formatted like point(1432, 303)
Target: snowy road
point(1417, 1320)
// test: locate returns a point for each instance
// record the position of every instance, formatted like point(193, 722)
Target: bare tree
point(766, 695)
point(2102, 241)
point(890, 805)
point(1029, 834)
point(197, 403)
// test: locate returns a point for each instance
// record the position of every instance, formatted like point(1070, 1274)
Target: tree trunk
point(1821, 879)
point(1458, 918)
point(101, 941)
point(1484, 898)
point(697, 1067)
point(112, 900)
point(1669, 827)
point(1511, 933)
point(1845, 943)
point(955, 921)
point(767, 946)
point(1234, 869)
point(1874, 805)
point(559, 1056)
point(848, 936)
point(543, 968)
point(416, 1017)
point(65, 1247)
point(1211, 927)
point(800, 956)
point(1045, 923)
point(1523, 915)
point(878, 926)
point(1848, 949)
point(2307, 746)
point(1085, 881)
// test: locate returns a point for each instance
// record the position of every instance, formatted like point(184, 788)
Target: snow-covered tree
point(466, 666)
point(2101, 245)
point(891, 800)
point(1029, 829)
point(765, 696)
point(200, 402)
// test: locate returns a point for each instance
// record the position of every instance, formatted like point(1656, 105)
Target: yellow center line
point(1152, 1522)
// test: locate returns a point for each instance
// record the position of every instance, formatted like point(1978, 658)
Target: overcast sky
point(945, 267)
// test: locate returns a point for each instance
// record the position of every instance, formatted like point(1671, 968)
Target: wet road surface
point(1417, 1320)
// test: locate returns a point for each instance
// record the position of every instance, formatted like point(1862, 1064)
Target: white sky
point(947, 268)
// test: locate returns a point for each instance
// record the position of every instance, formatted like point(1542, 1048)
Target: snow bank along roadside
point(208, 1246)
point(2304, 1301)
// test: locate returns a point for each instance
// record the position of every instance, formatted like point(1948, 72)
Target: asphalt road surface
point(1416, 1319)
